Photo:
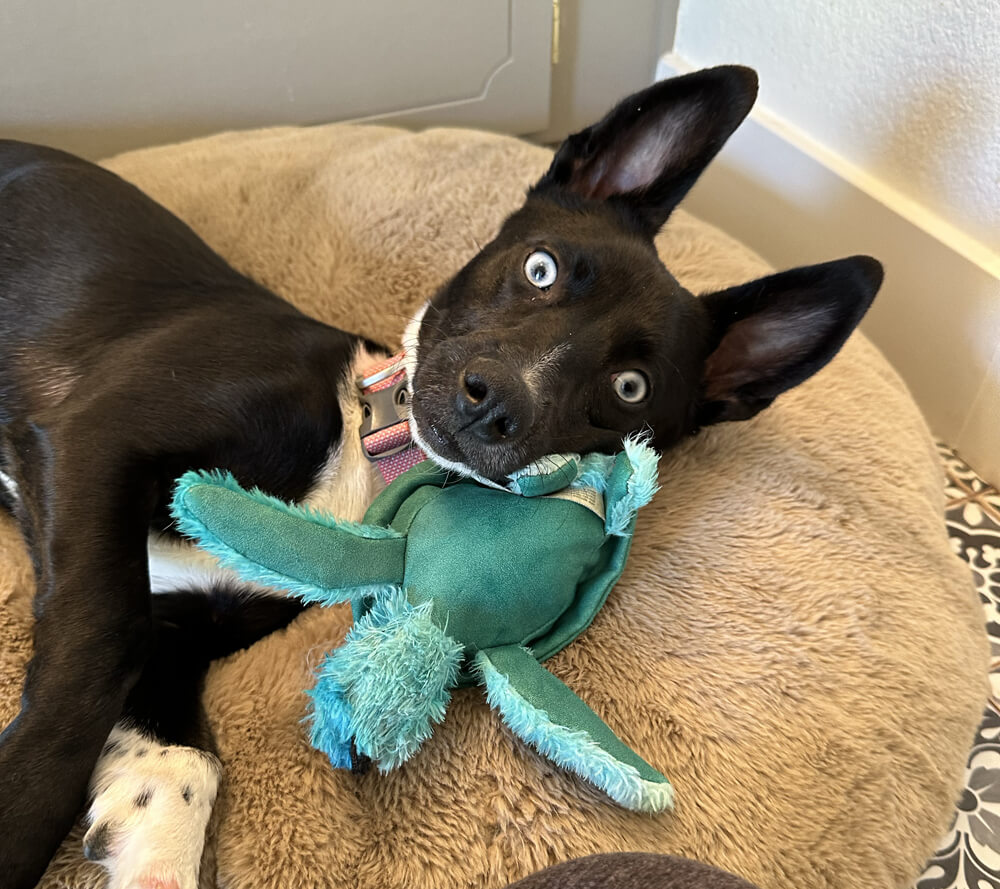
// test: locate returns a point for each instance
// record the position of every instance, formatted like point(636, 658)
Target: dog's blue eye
point(540, 269)
point(630, 386)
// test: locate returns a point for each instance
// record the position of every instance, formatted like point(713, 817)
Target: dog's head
point(567, 332)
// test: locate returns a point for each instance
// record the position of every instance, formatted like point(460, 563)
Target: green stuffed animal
point(452, 583)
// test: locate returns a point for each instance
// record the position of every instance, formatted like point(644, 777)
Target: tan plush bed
point(793, 642)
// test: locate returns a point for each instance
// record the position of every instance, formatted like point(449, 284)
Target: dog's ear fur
point(647, 152)
point(774, 333)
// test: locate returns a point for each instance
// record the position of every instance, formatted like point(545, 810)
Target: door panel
point(106, 75)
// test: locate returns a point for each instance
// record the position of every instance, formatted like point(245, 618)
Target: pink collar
point(385, 428)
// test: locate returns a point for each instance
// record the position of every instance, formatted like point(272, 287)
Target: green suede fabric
point(499, 569)
point(294, 546)
point(547, 483)
point(618, 481)
point(562, 706)
point(507, 579)
point(593, 586)
point(386, 506)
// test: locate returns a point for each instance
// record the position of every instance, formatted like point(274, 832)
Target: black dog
point(130, 352)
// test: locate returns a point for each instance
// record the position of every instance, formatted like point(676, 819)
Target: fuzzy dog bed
point(793, 643)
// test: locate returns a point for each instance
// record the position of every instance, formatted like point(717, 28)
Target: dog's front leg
point(85, 514)
point(156, 782)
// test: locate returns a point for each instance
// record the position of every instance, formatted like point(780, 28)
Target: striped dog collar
point(385, 427)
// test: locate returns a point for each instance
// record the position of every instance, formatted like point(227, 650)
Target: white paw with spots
point(151, 806)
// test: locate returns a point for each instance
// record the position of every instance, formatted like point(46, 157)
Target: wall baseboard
point(937, 318)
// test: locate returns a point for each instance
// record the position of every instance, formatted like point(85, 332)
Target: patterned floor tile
point(969, 856)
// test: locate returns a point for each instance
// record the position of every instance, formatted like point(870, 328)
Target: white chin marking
point(450, 465)
point(411, 339)
point(151, 807)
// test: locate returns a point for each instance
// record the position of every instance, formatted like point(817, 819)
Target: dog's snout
point(493, 402)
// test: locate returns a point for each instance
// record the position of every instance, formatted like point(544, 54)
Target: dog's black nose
point(475, 389)
point(493, 403)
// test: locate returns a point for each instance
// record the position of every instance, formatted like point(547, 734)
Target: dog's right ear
point(774, 333)
point(649, 150)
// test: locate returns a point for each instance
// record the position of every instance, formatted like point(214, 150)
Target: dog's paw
point(151, 806)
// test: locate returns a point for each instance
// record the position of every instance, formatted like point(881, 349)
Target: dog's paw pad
point(160, 879)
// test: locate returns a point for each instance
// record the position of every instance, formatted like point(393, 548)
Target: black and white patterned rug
point(969, 856)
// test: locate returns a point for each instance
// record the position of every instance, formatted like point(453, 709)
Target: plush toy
point(452, 583)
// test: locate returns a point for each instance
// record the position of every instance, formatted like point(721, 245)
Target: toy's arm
point(544, 712)
point(317, 558)
point(630, 486)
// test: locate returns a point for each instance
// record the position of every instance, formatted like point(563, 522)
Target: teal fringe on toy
point(594, 471)
point(481, 576)
point(641, 486)
point(386, 686)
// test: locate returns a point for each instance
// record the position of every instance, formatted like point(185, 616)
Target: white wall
point(877, 130)
point(908, 90)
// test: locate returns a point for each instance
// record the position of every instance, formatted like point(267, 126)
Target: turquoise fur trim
point(332, 719)
point(188, 523)
point(641, 486)
point(594, 472)
point(386, 686)
point(573, 750)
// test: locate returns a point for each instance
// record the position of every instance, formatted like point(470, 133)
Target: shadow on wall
point(949, 170)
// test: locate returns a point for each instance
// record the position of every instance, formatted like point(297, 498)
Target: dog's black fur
point(130, 352)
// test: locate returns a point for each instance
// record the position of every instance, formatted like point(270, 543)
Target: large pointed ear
point(774, 333)
point(648, 151)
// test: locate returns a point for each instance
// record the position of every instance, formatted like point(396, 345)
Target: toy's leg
point(316, 558)
point(386, 686)
point(544, 712)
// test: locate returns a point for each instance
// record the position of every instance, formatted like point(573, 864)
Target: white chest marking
point(344, 487)
point(180, 565)
point(7, 482)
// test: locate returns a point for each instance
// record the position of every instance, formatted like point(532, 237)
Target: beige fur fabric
point(793, 643)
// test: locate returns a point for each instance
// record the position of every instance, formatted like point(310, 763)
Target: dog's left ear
point(774, 333)
point(648, 151)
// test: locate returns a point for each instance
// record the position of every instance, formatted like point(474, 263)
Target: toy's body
point(451, 583)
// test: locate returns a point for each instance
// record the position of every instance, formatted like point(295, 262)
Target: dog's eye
point(540, 269)
point(630, 386)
